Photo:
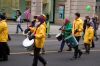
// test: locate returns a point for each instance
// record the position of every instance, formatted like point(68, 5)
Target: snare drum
point(72, 40)
point(59, 36)
point(28, 44)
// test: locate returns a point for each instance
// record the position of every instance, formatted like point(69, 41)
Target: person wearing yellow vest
point(39, 38)
point(4, 49)
point(88, 37)
point(77, 31)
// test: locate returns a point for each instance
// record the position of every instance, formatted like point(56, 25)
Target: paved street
point(20, 57)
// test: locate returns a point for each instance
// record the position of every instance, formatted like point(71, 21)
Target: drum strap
point(34, 34)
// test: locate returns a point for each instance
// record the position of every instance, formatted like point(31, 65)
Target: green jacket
point(67, 29)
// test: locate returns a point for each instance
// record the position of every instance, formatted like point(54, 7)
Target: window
point(61, 11)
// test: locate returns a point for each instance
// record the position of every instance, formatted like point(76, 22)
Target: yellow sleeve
point(32, 29)
point(80, 27)
point(42, 32)
point(2, 26)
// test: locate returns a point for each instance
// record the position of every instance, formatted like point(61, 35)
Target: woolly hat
point(66, 20)
point(41, 19)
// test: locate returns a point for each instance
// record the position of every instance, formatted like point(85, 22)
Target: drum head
point(27, 42)
point(58, 35)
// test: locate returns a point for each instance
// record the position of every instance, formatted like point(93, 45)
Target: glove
point(89, 40)
point(29, 33)
point(31, 37)
point(26, 30)
point(76, 31)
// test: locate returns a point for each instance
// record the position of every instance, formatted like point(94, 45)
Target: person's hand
point(89, 40)
point(75, 31)
point(26, 30)
point(31, 37)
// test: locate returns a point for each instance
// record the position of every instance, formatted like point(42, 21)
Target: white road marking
point(19, 53)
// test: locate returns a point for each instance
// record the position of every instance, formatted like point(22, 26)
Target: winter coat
point(89, 34)
point(3, 31)
point(77, 25)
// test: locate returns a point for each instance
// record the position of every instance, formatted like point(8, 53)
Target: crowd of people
point(86, 29)
point(71, 33)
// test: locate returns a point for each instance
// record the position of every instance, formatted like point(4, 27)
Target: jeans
point(37, 57)
point(19, 27)
point(63, 43)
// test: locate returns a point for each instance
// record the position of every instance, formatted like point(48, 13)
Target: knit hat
point(41, 19)
point(66, 20)
point(44, 17)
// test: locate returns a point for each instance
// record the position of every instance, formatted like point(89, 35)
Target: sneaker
point(31, 53)
point(69, 50)
point(92, 47)
point(45, 64)
point(43, 52)
point(80, 54)
point(73, 58)
point(59, 51)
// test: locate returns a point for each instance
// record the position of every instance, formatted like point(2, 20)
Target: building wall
point(80, 5)
point(70, 8)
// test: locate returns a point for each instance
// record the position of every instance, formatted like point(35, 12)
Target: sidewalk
point(54, 29)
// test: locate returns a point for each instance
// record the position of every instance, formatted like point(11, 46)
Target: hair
point(18, 12)
point(77, 14)
point(41, 19)
point(2, 17)
point(87, 17)
point(35, 17)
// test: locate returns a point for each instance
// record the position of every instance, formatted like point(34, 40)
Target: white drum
point(28, 43)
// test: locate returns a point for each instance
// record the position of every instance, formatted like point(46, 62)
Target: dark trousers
point(77, 51)
point(37, 57)
point(95, 34)
point(93, 45)
point(63, 43)
point(87, 48)
point(19, 27)
point(4, 50)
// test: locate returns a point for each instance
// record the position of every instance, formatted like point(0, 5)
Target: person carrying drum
point(66, 31)
point(39, 39)
point(88, 37)
point(77, 32)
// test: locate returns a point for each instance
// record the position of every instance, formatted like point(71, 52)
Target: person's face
point(37, 22)
point(76, 17)
point(88, 20)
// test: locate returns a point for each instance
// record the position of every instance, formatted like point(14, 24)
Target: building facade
point(57, 10)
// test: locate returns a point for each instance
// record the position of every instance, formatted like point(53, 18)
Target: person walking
point(66, 31)
point(18, 20)
point(95, 20)
point(4, 49)
point(39, 38)
point(88, 37)
point(77, 32)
